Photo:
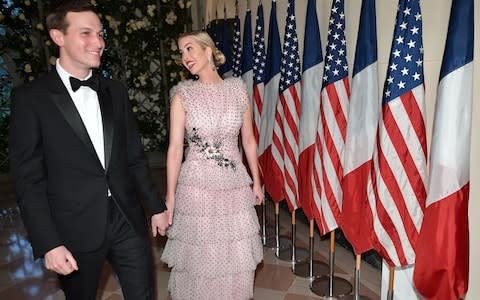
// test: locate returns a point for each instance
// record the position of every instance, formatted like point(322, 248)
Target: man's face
point(81, 45)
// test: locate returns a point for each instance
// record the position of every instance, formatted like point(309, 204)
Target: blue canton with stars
point(405, 67)
point(290, 67)
point(336, 66)
point(259, 55)
point(237, 47)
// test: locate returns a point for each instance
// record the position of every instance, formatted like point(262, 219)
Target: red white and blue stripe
point(288, 112)
point(270, 147)
point(398, 186)
point(311, 89)
point(332, 123)
point(356, 220)
point(441, 267)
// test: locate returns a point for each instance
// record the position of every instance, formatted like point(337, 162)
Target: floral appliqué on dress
point(213, 152)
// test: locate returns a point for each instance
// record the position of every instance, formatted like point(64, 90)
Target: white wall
point(435, 23)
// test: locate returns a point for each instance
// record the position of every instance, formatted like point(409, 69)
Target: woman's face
point(194, 57)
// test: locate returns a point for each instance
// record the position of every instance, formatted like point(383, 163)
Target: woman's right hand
point(170, 203)
point(259, 194)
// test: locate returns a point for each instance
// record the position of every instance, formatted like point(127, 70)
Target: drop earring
point(210, 61)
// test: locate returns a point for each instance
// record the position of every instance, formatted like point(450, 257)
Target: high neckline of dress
point(210, 83)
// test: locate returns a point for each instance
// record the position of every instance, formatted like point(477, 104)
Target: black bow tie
point(91, 82)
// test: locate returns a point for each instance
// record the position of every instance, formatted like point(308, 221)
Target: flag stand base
point(284, 242)
point(302, 269)
point(353, 297)
point(269, 239)
point(301, 254)
point(321, 287)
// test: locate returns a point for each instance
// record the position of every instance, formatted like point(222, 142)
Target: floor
point(277, 278)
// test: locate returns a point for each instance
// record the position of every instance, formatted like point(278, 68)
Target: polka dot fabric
point(213, 245)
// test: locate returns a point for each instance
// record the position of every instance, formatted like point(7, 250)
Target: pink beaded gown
point(213, 245)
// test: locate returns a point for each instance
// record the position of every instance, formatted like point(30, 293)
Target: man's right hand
point(60, 260)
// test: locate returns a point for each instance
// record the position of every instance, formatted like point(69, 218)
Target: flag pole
point(356, 285)
point(268, 240)
point(390, 283)
point(279, 247)
point(331, 286)
point(277, 229)
point(294, 239)
point(264, 220)
point(311, 268)
point(293, 254)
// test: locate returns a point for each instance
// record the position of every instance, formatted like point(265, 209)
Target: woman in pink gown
point(213, 244)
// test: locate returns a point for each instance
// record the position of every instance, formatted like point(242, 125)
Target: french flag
point(272, 166)
point(311, 89)
point(441, 267)
point(356, 217)
point(247, 55)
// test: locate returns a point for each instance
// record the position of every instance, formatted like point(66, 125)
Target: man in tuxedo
point(79, 166)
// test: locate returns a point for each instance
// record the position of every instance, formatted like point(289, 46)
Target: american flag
point(217, 32)
point(288, 112)
point(271, 161)
point(332, 123)
point(247, 59)
point(212, 31)
point(356, 220)
point(311, 88)
point(398, 193)
point(237, 45)
point(259, 59)
point(441, 266)
point(225, 70)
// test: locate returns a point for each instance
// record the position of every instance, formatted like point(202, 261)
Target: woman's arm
point(175, 151)
point(250, 148)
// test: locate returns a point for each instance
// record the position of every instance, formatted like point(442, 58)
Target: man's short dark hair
point(59, 9)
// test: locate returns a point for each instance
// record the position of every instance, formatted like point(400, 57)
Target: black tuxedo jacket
point(61, 186)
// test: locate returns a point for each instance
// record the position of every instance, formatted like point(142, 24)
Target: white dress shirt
point(86, 102)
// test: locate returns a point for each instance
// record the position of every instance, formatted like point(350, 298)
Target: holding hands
point(161, 221)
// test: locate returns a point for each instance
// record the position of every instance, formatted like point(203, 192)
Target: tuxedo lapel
point(64, 102)
point(106, 107)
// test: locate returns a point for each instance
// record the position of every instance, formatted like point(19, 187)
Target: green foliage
point(141, 51)
point(24, 40)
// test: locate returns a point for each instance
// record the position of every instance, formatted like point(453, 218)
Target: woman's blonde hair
point(204, 40)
